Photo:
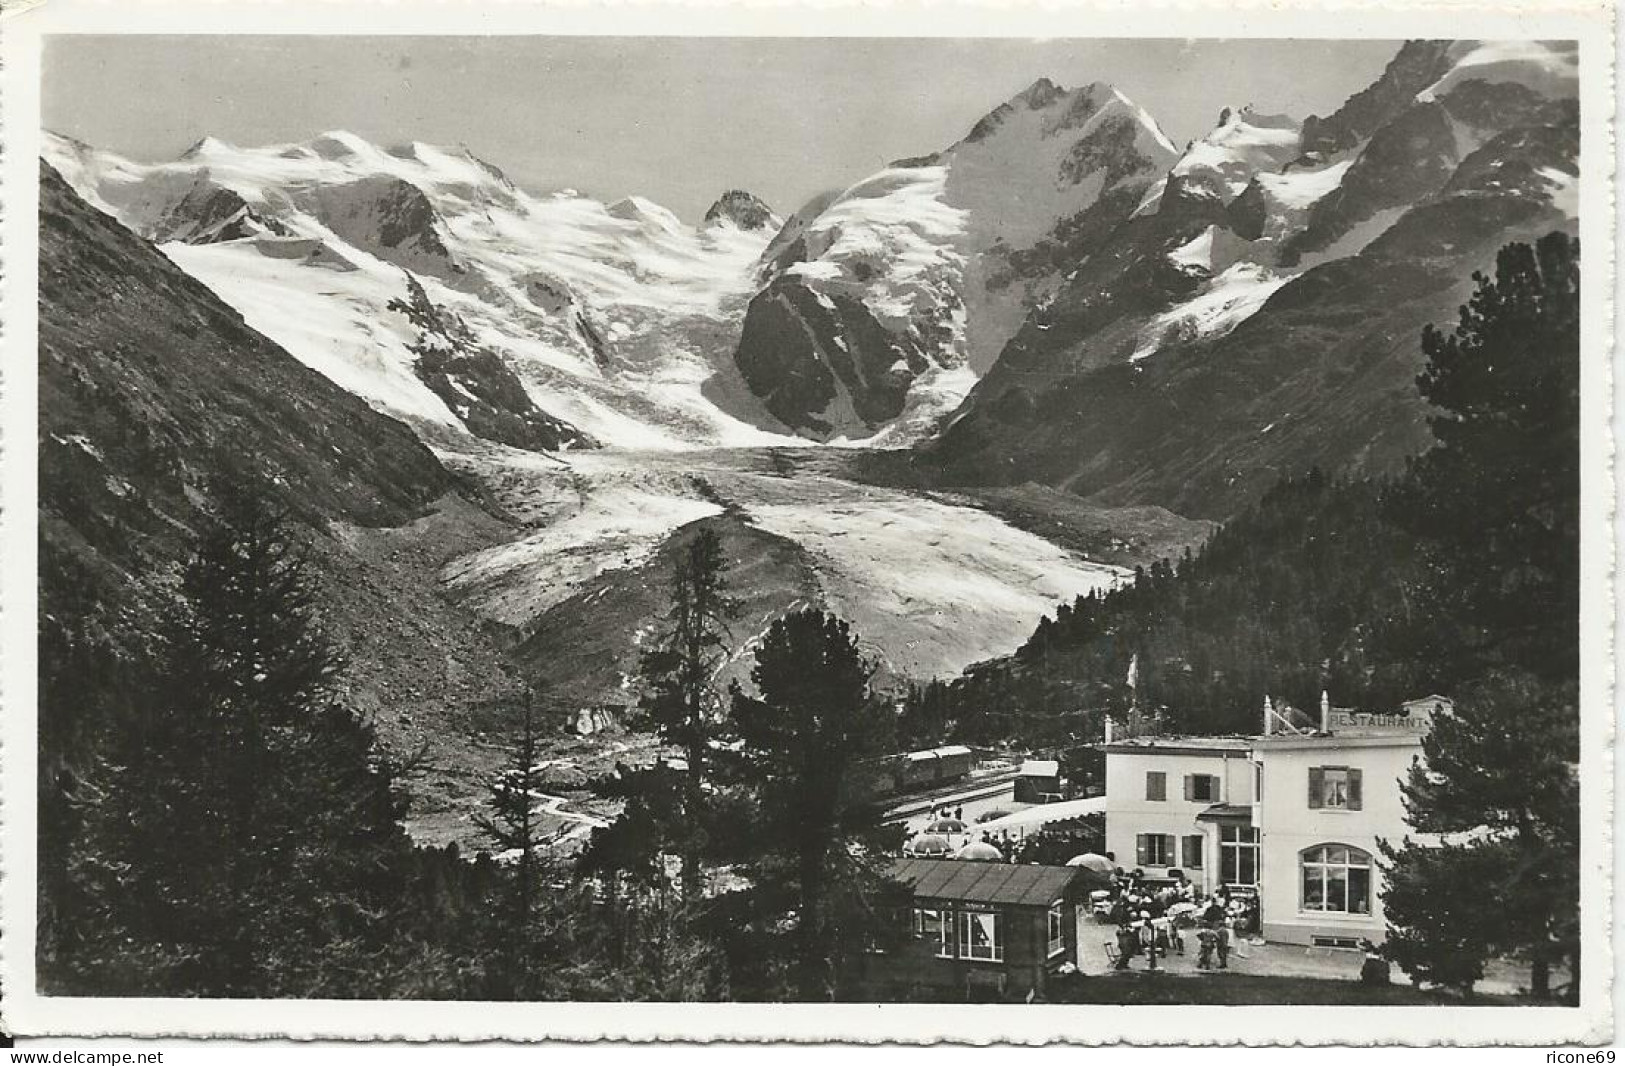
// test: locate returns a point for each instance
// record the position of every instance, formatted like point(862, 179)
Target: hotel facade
point(1293, 814)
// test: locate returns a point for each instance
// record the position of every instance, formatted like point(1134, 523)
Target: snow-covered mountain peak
point(342, 144)
point(1063, 111)
point(617, 319)
point(743, 210)
point(883, 300)
point(1549, 68)
point(206, 146)
point(1021, 171)
point(646, 214)
point(1222, 163)
point(1039, 94)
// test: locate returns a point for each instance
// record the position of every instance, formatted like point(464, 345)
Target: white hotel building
point(1293, 814)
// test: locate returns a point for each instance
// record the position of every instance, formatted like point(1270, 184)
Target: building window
point(1238, 855)
point(979, 936)
point(1334, 788)
point(1336, 879)
point(932, 925)
point(1191, 858)
point(1202, 788)
point(1156, 785)
point(1154, 849)
point(1057, 928)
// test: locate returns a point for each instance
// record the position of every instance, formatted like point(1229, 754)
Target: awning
point(1227, 812)
point(1045, 813)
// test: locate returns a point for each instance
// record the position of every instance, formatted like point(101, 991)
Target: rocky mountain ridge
point(881, 302)
point(1259, 312)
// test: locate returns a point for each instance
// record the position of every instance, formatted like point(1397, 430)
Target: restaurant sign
point(1351, 722)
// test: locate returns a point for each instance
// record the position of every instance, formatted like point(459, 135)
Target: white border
point(29, 1014)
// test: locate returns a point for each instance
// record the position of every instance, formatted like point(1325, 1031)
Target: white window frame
point(944, 918)
point(1236, 848)
point(1327, 789)
point(994, 950)
point(1318, 858)
point(1169, 847)
point(1056, 929)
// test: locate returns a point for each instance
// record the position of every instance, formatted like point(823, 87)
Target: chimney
point(1325, 711)
point(1268, 712)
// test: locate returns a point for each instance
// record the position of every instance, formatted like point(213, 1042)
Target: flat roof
point(968, 881)
point(1215, 746)
point(1289, 741)
point(1040, 768)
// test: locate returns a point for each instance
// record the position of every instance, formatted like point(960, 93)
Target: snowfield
point(1226, 159)
point(619, 318)
point(1224, 303)
point(929, 587)
point(1551, 68)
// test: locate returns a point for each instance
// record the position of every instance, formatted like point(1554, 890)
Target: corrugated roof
point(985, 882)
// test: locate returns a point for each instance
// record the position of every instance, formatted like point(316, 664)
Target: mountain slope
point(882, 302)
point(615, 320)
point(1259, 313)
point(150, 388)
point(149, 385)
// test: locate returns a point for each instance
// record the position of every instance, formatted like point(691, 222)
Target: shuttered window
point(1201, 788)
point(1154, 849)
point(1335, 788)
point(1156, 785)
point(1191, 857)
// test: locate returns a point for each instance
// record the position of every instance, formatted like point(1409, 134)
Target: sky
point(676, 120)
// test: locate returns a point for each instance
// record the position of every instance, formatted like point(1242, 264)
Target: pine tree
point(1496, 503)
point(240, 832)
point(680, 703)
point(809, 738)
point(1500, 775)
point(512, 827)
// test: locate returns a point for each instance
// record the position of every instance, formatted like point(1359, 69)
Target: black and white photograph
point(944, 522)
